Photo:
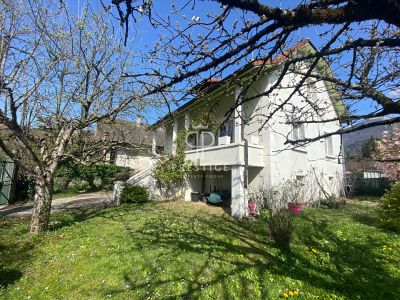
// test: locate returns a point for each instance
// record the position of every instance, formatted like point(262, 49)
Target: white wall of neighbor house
point(134, 159)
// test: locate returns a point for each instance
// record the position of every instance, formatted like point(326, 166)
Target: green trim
point(324, 68)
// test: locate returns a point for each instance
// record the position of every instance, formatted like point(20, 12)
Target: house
point(241, 143)
point(360, 147)
point(133, 143)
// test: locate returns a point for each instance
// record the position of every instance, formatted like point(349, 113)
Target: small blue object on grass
point(214, 198)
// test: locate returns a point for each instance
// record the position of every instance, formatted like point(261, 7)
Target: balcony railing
point(229, 154)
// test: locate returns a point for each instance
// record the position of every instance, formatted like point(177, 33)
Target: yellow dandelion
point(286, 295)
point(291, 293)
point(296, 293)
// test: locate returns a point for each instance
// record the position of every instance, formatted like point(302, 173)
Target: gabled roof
point(210, 85)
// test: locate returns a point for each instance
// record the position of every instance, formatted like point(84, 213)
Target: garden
point(71, 179)
point(185, 250)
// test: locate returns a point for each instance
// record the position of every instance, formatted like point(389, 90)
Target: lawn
point(190, 251)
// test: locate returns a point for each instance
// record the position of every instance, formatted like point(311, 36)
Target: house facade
point(242, 153)
point(133, 143)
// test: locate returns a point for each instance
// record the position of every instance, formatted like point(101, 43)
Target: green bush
point(122, 176)
point(390, 208)
point(332, 202)
point(79, 187)
point(97, 176)
point(24, 187)
point(280, 226)
point(134, 194)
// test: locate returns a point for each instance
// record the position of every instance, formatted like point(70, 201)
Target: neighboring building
point(7, 178)
point(134, 139)
point(373, 174)
point(222, 159)
point(360, 148)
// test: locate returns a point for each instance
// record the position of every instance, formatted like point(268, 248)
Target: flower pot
point(295, 207)
point(252, 208)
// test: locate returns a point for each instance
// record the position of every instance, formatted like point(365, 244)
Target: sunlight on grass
point(190, 250)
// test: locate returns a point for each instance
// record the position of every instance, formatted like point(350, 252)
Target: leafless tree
point(359, 39)
point(60, 74)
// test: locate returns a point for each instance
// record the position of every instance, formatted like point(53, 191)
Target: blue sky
point(145, 34)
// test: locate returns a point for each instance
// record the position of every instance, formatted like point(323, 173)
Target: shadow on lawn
point(14, 254)
point(78, 215)
point(229, 248)
point(198, 252)
point(351, 268)
point(369, 219)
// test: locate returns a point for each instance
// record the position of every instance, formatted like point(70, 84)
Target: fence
point(370, 186)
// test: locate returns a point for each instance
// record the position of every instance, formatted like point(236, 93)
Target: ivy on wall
point(173, 169)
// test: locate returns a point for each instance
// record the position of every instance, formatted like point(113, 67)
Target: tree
point(388, 154)
point(368, 149)
point(60, 74)
point(358, 38)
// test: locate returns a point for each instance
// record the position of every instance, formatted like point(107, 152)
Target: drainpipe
point(246, 157)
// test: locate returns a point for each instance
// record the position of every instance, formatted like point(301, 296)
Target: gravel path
point(83, 201)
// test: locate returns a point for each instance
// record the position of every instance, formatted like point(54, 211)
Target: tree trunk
point(42, 205)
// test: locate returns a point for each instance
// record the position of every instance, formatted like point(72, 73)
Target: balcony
point(226, 155)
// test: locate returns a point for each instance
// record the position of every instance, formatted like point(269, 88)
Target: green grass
point(191, 251)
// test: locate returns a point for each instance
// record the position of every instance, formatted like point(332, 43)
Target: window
point(329, 146)
point(298, 131)
point(311, 90)
point(226, 130)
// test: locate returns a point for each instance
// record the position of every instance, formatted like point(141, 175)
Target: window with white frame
point(329, 146)
point(298, 131)
point(227, 129)
point(311, 90)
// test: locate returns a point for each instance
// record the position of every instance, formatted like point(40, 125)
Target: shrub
point(329, 202)
point(122, 176)
point(24, 187)
point(97, 176)
point(134, 194)
point(390, 208)
point(79, 187)
point(332, 202)
point(280, 226)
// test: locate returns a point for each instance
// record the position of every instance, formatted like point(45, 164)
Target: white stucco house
point(221, 156)
point(133, 143)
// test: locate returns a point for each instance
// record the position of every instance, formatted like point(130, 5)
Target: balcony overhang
point(227, 155)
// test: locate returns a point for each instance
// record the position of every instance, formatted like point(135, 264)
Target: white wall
point(310, 160)
point(137, 160)
point(280, 163)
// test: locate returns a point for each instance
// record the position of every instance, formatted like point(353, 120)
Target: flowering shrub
point(388, 148)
